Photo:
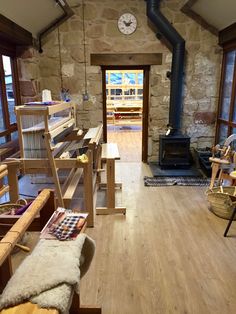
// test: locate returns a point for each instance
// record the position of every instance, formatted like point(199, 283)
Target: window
point(226, 120)
point(116, 78)
point(129, 78)
point(140, 78)
point(116, 91)
point(124, 85)
point(9, 97)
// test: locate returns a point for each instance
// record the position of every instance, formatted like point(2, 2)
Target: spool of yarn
point(46, 95)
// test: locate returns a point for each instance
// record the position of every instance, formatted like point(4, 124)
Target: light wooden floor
point(129, 142)
point(167, 255)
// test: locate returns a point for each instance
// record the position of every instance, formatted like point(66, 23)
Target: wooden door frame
point(145, 110)
point(229, 122)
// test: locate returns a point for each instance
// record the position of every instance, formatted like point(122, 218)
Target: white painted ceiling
point(218, 13)
point(32, 15)
point(35, 15)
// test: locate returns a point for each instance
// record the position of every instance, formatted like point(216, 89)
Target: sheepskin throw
point(50, 274)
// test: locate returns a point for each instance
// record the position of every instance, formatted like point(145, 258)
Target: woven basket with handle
point(222, 201)
point(6, 208)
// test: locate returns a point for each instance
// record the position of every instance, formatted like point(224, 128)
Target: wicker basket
point(6, 208)
point(222, 201)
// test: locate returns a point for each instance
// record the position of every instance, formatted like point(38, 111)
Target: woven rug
point(169, 181)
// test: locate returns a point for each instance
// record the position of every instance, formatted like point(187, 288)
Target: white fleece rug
point(48, 276)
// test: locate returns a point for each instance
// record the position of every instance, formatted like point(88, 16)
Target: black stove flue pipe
point(169, 33)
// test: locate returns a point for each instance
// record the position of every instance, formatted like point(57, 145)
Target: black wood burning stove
point(174, 151)
point(174, 148)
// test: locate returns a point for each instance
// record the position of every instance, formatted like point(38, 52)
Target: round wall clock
point(127, 23)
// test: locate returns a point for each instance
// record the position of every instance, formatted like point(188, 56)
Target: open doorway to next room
point(124, 110)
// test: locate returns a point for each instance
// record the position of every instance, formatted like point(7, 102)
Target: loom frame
point(51, 164)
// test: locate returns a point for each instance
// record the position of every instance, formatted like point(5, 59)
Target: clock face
point(127, 23)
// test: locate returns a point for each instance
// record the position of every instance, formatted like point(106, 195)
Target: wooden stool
point(216, 165)
point(110, 153)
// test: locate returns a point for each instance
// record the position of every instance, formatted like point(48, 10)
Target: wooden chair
point(233, 176)
point(230, 222)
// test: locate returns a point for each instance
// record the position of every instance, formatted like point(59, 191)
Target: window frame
point(219, 121)
point(9, 127)
point(134, 97)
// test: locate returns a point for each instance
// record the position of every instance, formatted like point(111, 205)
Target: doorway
point(125, 110)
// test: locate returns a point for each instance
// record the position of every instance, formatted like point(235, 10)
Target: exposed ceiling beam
point(228, 34)
point(17, 35)
point(13, 33)
point(68, 12)
point(187, 9)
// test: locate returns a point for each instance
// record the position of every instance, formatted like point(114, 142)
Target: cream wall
point(202, 70)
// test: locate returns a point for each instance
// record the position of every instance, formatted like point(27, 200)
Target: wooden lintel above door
point(124, 59)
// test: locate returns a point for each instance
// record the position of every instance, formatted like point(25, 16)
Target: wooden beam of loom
point(19, 228)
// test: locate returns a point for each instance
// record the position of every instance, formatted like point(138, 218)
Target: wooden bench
point(110, 153)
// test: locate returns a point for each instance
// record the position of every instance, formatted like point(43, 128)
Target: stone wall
point(201, 83)
point(29, 75)
point(102, 36)
point(202, 68)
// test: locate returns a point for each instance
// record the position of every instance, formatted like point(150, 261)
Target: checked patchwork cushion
point(66, 227)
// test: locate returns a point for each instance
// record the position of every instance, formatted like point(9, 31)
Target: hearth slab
point(158, 172)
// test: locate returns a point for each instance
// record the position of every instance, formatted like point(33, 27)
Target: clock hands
point(127, 23)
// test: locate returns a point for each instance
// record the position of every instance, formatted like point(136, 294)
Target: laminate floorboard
point(129, 142)
point(166, 255)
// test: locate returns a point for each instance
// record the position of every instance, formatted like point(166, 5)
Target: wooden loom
point(43, 203)
point(50, 142)
point(8, 220)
